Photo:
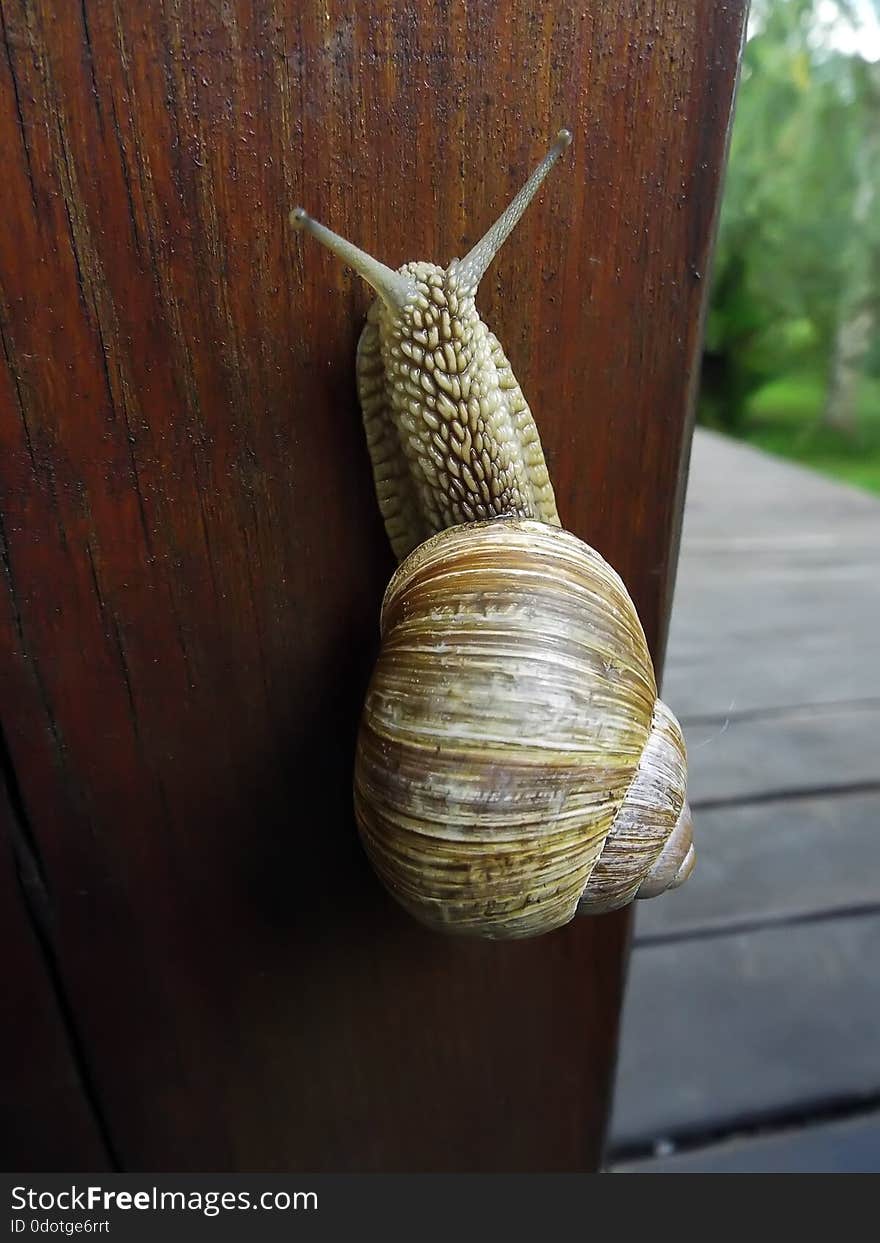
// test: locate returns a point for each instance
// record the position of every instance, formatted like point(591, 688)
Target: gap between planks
point(830, 1109)
point(735, 927)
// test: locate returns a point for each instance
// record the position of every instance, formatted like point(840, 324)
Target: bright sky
point(861, 36)
point(857, 35)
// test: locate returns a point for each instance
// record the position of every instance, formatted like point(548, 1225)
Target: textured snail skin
point(450, 435)
point(512, 709)
point(514, 765)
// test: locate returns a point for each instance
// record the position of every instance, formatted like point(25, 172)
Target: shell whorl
point(652, 833)
point(509, 712)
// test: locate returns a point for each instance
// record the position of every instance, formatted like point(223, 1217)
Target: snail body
point(514, 764)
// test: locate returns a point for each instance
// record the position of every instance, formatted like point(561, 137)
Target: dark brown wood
point(48, 1119)
point(194, 559)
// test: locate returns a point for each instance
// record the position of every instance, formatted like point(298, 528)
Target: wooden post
point(193, 557)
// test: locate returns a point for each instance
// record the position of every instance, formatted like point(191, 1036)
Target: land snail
point(514, 765)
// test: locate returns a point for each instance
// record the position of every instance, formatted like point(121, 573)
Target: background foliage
point(792, 352)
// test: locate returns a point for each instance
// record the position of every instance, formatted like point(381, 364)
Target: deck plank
point(813, 748)
point(803, 858)
point(752, 992)
point(778, 589)
point(731, 1030)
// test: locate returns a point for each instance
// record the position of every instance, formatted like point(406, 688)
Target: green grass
point(783, 418)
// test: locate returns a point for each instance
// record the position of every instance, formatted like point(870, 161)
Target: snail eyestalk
point(391, 287)
point(473, 266)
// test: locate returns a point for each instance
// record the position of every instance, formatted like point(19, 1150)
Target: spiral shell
point(514, 764)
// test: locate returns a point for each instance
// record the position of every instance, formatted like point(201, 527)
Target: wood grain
point(193, 558)
point(49, 1120)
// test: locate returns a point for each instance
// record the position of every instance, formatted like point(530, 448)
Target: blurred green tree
point(856, 327)
point(797, 267)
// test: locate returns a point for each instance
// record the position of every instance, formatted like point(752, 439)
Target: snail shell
point(514, 765)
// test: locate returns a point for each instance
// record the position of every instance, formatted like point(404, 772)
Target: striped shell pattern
point(514, 765)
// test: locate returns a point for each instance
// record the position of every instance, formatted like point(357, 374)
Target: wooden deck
point(753, 1005)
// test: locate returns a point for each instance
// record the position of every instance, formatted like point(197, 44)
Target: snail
point(514, 765)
